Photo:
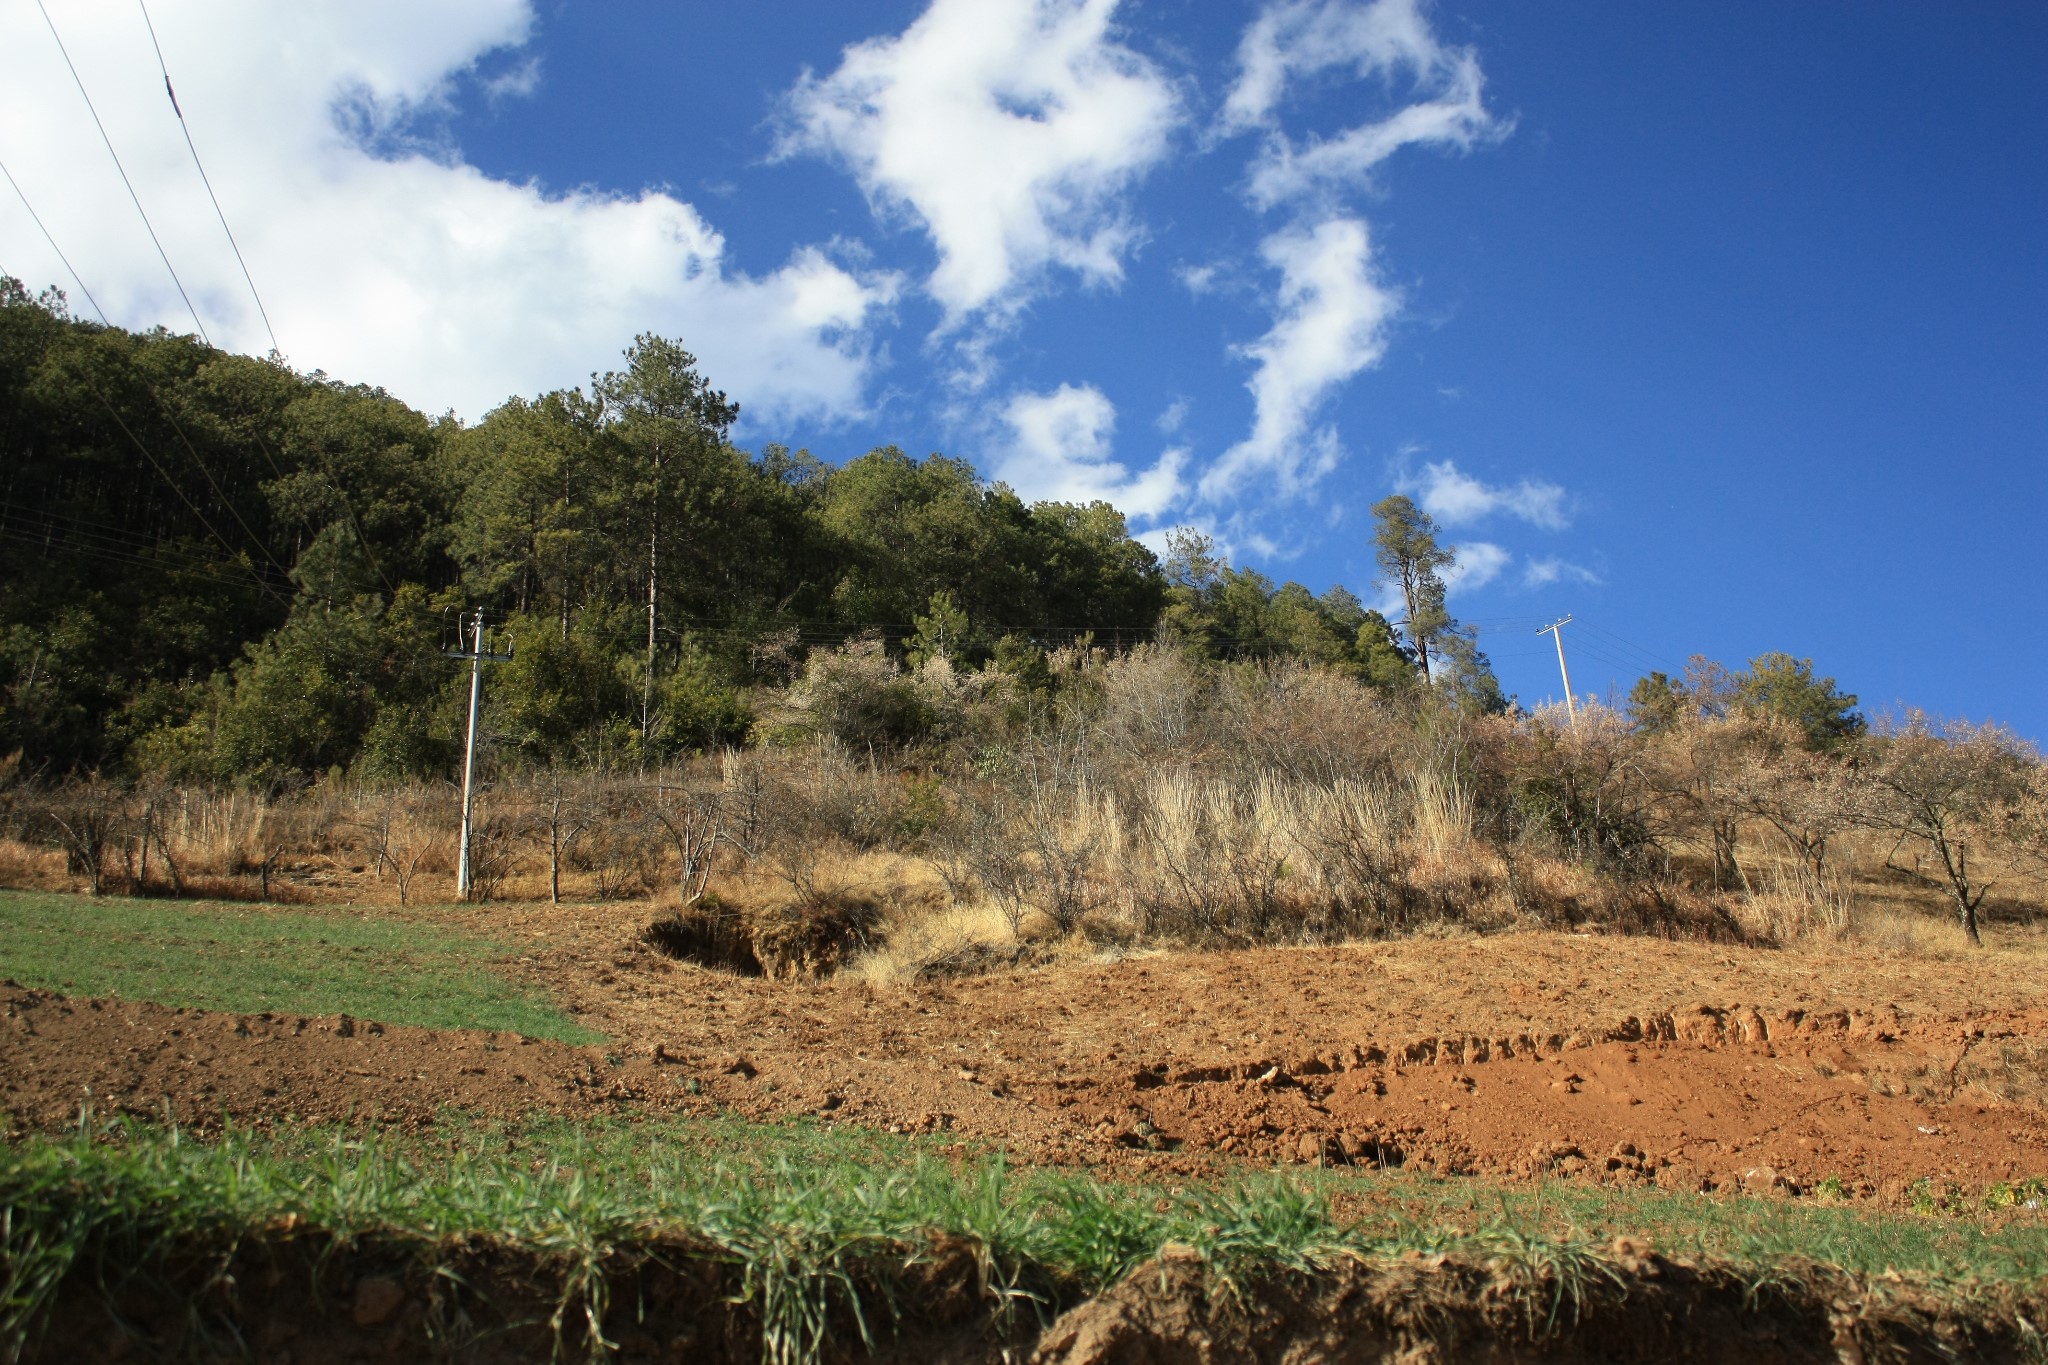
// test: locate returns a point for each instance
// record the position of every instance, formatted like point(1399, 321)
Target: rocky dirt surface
point(1621, 1060)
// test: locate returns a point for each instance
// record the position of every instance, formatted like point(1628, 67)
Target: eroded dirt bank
point(1073, 1067)
point(300, 1299)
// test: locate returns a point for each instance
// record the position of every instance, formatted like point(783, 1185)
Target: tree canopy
point(214, 566)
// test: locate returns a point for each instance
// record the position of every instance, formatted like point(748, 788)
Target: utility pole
point(476, 654)
point(1555, 630)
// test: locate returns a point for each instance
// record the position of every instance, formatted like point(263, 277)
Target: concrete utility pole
point(476, 654)
point(1555, 630)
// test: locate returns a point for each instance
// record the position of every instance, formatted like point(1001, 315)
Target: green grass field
point(213, 955)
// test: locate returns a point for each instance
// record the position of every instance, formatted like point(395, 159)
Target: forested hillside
point(214, 567)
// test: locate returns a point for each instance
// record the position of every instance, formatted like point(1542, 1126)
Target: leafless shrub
point(405, 825)
point(689, 811)
point(1807, 797)
point(1308, 725)
point(1697, 770)
point(1034, 836)
point(498, 828)
point(616, 849)
point(85, 817)
point(746, 797)
point(1148, 703)
point(1584, 786)
point(561, 806)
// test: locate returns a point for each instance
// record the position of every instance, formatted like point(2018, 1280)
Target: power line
point(234, 555)
point(184, 128)
point(261, 547)
point(1645, 657)
point(37, 218)
point(133, 197)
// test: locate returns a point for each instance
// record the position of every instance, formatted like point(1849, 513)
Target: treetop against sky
point(1720, 327)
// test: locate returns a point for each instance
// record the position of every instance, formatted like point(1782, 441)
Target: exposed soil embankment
point(300, 1298)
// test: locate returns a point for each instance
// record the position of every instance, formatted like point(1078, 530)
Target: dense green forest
point(214, 567)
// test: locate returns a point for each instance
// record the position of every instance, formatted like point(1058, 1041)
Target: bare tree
point(1696, 766)
point(563, 810)
point(1807, 797)
point(1956, 786)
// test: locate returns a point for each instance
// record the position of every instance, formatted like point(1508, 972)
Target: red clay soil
point(1691, 1066)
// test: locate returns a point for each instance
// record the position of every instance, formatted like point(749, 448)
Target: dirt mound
point(1637, 1307)
point(299, 1296)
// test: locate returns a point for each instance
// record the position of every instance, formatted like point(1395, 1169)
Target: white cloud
point(404, 267)
point(1299, 38)
point(1541, 573)
point(1332, 314)
point(1197, 279)
point(1060, 450)
point(1307, 37)
point(1478, 563)
point(1011, 130)
point(1453, 497)
point(515, 82)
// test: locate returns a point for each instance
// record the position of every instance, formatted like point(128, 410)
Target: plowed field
point(1628, 1060)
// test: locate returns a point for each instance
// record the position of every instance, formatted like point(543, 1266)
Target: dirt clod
point(377, 1298)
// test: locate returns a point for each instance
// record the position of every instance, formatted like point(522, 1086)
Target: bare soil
point(1612, 1059)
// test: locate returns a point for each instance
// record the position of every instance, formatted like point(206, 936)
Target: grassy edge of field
point(248, 959)
point(810, 1215)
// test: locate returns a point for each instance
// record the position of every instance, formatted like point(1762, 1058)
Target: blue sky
point(1721, 327)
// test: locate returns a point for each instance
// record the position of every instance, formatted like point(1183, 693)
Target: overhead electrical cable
point(38, 220)
point(184, 128)
point(276, 349)
point(261, 546)
point(234, 555)
point(237, 556)
point(133, 197)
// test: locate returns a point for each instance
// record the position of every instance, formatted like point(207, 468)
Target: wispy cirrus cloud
point(1541, 573)
point(1388, 40)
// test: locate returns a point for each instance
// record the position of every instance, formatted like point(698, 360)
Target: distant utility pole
point(1555, 630)
point(476, 654)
